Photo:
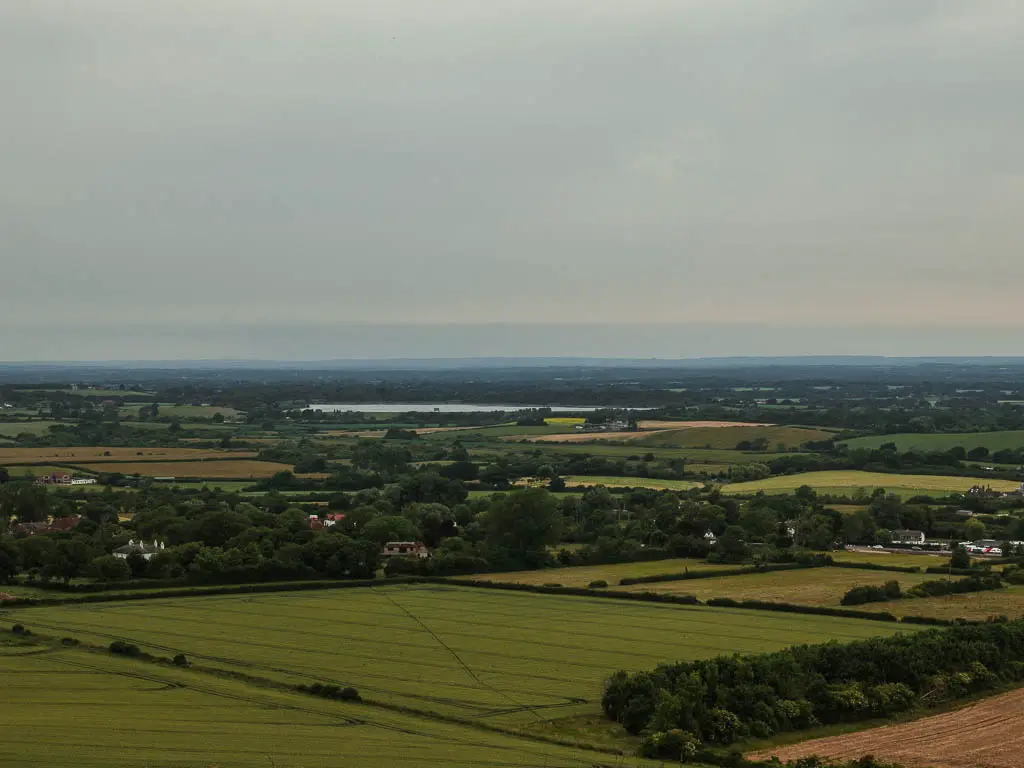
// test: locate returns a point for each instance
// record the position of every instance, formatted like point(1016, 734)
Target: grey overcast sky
point(254, 178)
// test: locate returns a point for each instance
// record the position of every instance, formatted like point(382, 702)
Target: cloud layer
point(261, 164)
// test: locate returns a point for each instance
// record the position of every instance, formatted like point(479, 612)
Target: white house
point(908, 537)
point(141, 548)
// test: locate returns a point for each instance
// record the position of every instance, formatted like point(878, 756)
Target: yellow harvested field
point(987, 733)
point(803, 586)
point(101, 453)
point(212, 469)
point(976, 606)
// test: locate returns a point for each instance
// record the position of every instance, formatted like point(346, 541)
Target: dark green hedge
point(762, 605)
point(554, 589)
point(709, 574)
point(879, 567)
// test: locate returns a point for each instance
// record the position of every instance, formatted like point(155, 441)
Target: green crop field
point(730, 437)
point(183, 412)
point(847, 481)
point(582, 575)
point(994, 441)
point(804, 586)
point(15, 428)
point(630, 482)
point(502, 658)
point(75, 709)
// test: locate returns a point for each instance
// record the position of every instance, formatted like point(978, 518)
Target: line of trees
point(725, 699)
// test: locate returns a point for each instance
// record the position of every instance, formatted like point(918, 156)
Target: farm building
point(141, 548)
point(406, 548)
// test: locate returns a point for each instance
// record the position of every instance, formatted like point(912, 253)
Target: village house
point(63, 478)
point(405, 548)
point(141, 548)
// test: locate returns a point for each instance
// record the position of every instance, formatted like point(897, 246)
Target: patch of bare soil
point(988, 733)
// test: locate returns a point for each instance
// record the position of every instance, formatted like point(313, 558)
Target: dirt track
point(988, 734)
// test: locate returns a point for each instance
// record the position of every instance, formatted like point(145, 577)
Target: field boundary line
point(463, 664)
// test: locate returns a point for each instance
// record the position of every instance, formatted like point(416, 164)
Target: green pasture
point(729, 437)
point(502, 658)
point(994, 441)
point(183, 412)
point(631, 482)
point(74, 709)
point(15, 428)
point(845, 482)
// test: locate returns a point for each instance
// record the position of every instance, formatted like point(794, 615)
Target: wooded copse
point(722, 700)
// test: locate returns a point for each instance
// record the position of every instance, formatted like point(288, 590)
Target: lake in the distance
point(441, 407)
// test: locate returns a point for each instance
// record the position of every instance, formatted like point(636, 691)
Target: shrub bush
point(180, 660)
point(872, 594)
point(599, 584)
point(124, 648)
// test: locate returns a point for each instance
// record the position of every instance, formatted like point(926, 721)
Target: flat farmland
point(630, 482)
point(803, 586)
point(845, 481)
point(987, 733)
point(20, 470)
point(183, 411)
point(729, 437)
point(582, 575)
point(118, 713)
point(977, 606)
point(662, 424)
point(994, 441)
point(212, 469)
point(901, 559)
point(111, 454)
point(498, 657)
point(15, 428)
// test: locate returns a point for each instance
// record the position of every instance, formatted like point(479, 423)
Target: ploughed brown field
point(101, 453)
point(986, 734)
